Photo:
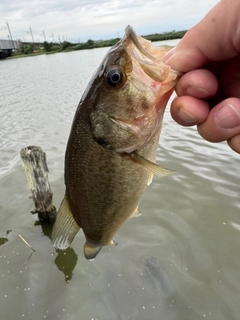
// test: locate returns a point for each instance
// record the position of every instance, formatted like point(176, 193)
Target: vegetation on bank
point(49, 47)
point(166, 35)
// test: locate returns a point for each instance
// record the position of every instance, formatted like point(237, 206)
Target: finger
point(214, 38)
point(189, 111)
point(223, 121)
point(234, 143)
point(200, 83)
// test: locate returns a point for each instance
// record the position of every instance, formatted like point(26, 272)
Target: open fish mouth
point(140, 53)
point(143, 84)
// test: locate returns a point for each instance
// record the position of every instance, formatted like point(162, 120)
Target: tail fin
point(65, 227)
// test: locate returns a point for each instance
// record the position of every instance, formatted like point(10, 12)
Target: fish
point(111, 150)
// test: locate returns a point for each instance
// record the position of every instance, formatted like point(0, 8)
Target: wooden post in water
point(36, 170)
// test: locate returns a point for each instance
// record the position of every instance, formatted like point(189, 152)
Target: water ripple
point(179, 260)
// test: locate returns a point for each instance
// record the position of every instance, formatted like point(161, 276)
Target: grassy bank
point(27, 50)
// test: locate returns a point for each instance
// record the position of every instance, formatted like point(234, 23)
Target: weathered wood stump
point(36, 170)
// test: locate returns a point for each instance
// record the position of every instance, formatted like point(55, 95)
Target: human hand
point(209, 91)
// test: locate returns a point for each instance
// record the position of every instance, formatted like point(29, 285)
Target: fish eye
point(114, 77)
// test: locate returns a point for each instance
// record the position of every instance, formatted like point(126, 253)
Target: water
point(179, 261)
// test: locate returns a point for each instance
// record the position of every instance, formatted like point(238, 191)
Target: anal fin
point(65, 227)
point(136, 213)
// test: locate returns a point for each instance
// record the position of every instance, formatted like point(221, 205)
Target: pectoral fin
point(65, 227)
point(150, 178)
point(151, 166)
point(90, 252)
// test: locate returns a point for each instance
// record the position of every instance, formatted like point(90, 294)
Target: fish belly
point(103, 187)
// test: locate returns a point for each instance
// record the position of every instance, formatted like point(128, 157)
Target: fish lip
point(152, 66)
point(141, 60)
point(129, 32)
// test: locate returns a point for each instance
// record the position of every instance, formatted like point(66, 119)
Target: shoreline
point(31, 50)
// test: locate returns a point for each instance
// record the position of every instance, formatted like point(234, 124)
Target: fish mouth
point(148, 74)
point(152, 71)
point(135, 106)
point(129, 32)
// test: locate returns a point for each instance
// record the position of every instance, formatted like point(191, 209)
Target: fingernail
point(187, 117)
point(227, 117)
point(197, 92)
point(168, 54)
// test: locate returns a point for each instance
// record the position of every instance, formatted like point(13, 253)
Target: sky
point(80, 20)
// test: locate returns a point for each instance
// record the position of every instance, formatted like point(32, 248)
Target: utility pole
point(44, 36)
point(31, 34)
point(10, 34)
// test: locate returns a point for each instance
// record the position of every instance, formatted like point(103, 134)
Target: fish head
point(129, 93)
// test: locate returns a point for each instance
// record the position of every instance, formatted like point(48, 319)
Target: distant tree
point(27, 48)
point(89, 43)
point(79, 46)
point(65, 45)
point(47, 46)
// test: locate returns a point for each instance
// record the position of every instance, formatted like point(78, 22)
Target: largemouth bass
point(110, 155)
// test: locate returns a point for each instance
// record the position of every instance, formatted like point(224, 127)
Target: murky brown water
point(179, 261)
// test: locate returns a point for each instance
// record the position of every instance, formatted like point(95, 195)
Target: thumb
point(214, 38)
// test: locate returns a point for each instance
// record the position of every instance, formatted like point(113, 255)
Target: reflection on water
point(46, 227)
point(66, 261)
point(4, 239)
point(179, 260)
point(158, 275)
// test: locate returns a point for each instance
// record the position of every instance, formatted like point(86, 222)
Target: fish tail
point(65, 227)
point(91, 252)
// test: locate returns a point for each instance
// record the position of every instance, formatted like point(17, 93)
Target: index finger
point(214, 38)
